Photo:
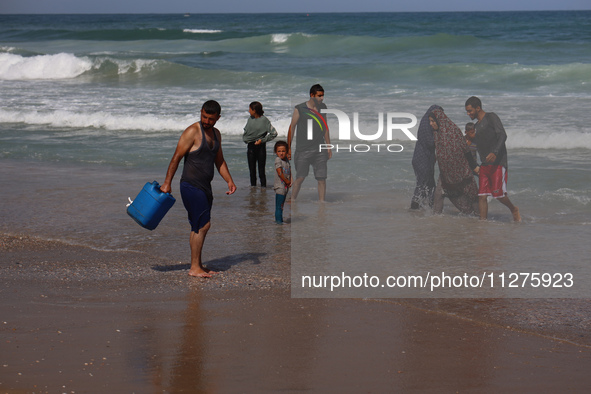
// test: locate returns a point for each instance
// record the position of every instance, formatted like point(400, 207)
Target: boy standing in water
point(490, 140)
point(282, 179)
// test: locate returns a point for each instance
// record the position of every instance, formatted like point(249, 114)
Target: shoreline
point(83, 319)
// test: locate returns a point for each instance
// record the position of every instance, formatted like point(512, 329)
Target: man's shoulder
point(492, 116)
point(494, 121)
point(193, 130)
point(304, 107)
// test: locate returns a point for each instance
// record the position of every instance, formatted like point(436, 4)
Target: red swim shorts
point(492, 181)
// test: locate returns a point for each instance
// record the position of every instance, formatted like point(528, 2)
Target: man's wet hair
point(315, 89)
point(212, 107)
point(474, 102)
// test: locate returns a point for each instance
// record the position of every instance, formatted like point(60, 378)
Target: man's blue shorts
point(197, 205)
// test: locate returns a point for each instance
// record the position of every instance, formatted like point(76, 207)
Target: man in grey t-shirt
point(307, 146)
point(490, 140)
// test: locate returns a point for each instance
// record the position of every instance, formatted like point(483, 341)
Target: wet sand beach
point(76, 319)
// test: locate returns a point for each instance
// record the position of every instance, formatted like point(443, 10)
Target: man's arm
point(222, 166)
point(186, 142)
point(501, 136)
point(290, 133)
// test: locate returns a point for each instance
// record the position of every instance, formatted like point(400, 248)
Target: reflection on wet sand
point(190, 356)
point(265, 341)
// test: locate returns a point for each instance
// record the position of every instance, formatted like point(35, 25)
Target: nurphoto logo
point(394, 127)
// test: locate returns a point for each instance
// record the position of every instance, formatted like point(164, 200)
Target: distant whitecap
point(201, 31)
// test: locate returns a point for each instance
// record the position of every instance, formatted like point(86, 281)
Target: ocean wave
point(519, 79)
point(232, 124)
point(112, 35)
point(549, 140)
point(439, 48)
point(67, 66)
point(94, 120)
point(569, 79)
point(397, 61)
point(280, 38)
point(59, 66)
point(302, 44)
point(404, 48)
point(567, 195)
point(202, 31)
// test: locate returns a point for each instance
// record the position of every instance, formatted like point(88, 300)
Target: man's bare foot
point(200, 272)
point(200, 275)
point(516, 215)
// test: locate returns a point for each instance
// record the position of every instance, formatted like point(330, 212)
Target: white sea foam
point(59, 66)
point(549, 140)
point(282, 38)
point(64, 66)
point(99, 119)
point(202, 31)
point(279, 38)
point(134, 66)
point(233, 124)
point(109, 121)
point(568, 195)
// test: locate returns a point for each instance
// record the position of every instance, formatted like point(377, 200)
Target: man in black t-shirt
point(490, 140)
